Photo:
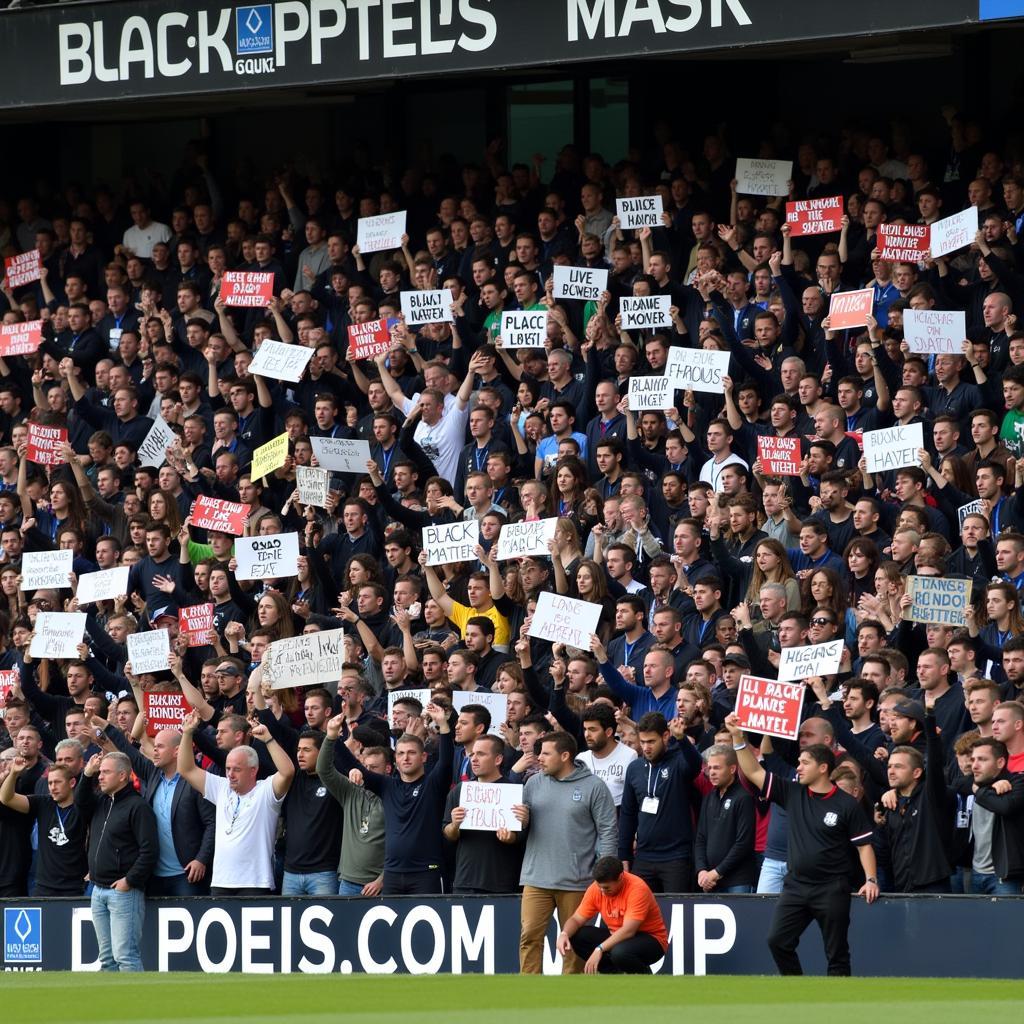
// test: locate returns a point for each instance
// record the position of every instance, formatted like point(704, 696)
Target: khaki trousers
point(535, 912)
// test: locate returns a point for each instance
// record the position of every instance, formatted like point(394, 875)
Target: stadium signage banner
point(74, 53)
point(480, 935)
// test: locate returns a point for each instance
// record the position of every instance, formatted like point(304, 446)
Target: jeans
point(772, 874)
point(992, 885)
point(175, 887)
point(117, 918)
point(736, 889)
point(316, 883)
point(349, 888)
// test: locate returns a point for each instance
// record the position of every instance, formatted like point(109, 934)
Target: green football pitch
point(253, 999)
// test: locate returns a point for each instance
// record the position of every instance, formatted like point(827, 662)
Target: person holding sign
point(824, 822)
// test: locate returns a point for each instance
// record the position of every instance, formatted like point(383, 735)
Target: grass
point(401, 999)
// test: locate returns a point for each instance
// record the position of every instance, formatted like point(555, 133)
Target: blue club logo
point(23, 935)
point(254, 29)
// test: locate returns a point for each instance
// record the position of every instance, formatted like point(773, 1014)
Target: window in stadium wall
point(539, 120)
point(609, 117)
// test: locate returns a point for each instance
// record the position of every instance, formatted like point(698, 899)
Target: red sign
point(770, 707)
point(8, 680)
point(904, 243)
point(20, 339)
point(195, 623)
point(247, 288)
point(369, 340)
point(23, 269)
point(217, 514)
point(44, 444)
point(780, 456)
point(165, 711)
point(815, 216)
point(850, 309)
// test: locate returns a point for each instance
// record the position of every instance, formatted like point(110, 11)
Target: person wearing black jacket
point(123, 851)
point(999, 795)
point(724, 847)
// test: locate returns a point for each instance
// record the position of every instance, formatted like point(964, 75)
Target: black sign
point(78, 53)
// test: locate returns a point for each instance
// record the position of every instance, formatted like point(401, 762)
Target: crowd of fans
point(704, 565)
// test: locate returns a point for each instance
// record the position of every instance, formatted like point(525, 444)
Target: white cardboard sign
point(939, 331)
point(584, 283)
point(565, 620)
point(524, 328)
point(643, 312)
point(49, 569)
point(279, 361)
point(496, 703)
point(697, 369)
point(57, 634)
point(892, 447)
point(342, 454)
point(311, 659)
point(153, 450)
point(311, 483)
point(422, 695)
point(451, 542)
point(639, 211)
point(428, 307)
point(377, 234)
point(104, 585)
point(956, 232)
point(812, 660)
point(651, 393)
point(149, 651)
point(273, 557)
point(756, 177)
point(530, 537)
point(489, 806)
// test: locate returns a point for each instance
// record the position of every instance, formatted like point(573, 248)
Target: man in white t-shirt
point(719, 442)
point(247, 811)
point(144, 233)
point(605, 756)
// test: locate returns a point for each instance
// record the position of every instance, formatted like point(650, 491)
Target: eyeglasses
point(822, 622)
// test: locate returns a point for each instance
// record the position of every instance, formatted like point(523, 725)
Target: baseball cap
point(910, 709)
point(737, 659)
point(168, 610)
point(229, 670)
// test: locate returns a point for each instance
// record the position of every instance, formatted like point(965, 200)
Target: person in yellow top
point(633, 935)
point(480, 603)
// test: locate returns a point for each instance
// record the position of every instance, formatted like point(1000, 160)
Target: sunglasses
point(822, 622)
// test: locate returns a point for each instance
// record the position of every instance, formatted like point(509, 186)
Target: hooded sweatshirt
point(572, 823)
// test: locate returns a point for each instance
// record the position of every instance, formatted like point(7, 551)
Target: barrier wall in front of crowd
point(926, 936)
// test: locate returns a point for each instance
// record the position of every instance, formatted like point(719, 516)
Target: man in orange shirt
point(633, 935)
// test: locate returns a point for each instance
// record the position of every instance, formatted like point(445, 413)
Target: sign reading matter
point(149, 651)
point(935, 330)
point(164, 711)
point(489, 806)
point(44, 444)
point(584, 283)
point(195, 623)
point(104, 585)
point(651, 393)
point(892, 447)
point(530, 537)
point(904, 243)
point(935, 599)
point(815, 216)
point(252, 289)
point(20, 339)
point(954, 232)
point(429, 307)
point(524, 328)
point(780, 456)
point(565, 620)
point(308, 660)
point(153, 450)
point(218, 514)
point(279, 361)
point(770, 707)
point(272, 557)
point(850, 309)
point(46, 569)
point(57, 634)
point(451, 542)
point(342, 454)
point(763, 177)
point(645, 311)
point(639, 211)
point(697, 369)
point(23, 269)
point(377, 234)
point(813, 660)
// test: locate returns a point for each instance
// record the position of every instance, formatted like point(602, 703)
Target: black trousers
point(665, 875)
point(631, 956)
point(413, 883)
point(251, 893)
point(797, 907)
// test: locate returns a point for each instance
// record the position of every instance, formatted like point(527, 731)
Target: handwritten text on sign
point(430, 307)
point(218, 514)
point(640, 312)
point(496, 704)
point(813, 660)
point(44, 444)
point(697, 369)
point(639, 211)
point(311, 483)
point(307, 660)
point(47, 569)
point(394, 696)
point(368, 340)
point(273, 557)
point(938, 600)
point(585, 283)
point(57, 634)
point(763, 177)
point(104, 585)
point(564, 620)
point(249, 288)
point(269, 456)
point(850, 309)
point(278, 361)
point(489, 806)
point(195, 623)
point(893, 447)
point(20, 339)
point(954, 232)
point(153, 450)
point(342, 454)
point(150, 651)
point(815, 216)
point(451, 542)
point(376, 234)
point(904, 243)
point(524, 328)
point(530, 537)
point(651, 393)
point(23, 269)
point(780, 456)
point(935, 330)
point(770, 707)
point(165, 711)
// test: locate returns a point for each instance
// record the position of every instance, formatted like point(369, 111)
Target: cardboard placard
point(46, 569)
point(381, 233)
point(645, 312)
point(939, 331)
point(311, 482)
point(252, 289)
point(524, 328)
point(972, 508)
point(269, 456)
point(892, 447)
point(311, 659)
point(20, 339)
point(9, 678)
point(153, 450)
point(44, 444)
point(529, 537)
point(815, 216)
point(496, 704)
point(903, 243)
point(811, 660)
point(428, 307)
point(342, 454)
point(651, 393)
point(565, 620)
point(273, 557)
point(451, 542)
point(149, 651)
point(697, 369)
point(850, 309)
point(780, 456)
point(421, 694)
point(755, 177)
point(164, 711)
point(489, 806)
point(582, 283)
point(954, 232)
point(57, 634)
point(938, 600)
point(195, 622)
point(23, 269)
point(217, 514)
point(639, 211)
point(769, 707)
point(370, 339)
point(104, 585)
point(279, 361)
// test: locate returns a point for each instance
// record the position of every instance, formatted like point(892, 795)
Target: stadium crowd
point(704, 565)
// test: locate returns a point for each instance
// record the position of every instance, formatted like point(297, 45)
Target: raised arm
point(282, 779)
point(749, 764)
point(436, 587)
point(187, 767)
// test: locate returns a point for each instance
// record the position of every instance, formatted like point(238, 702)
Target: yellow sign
point(269, 456)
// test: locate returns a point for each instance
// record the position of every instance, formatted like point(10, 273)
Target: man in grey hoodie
point(568, 821)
